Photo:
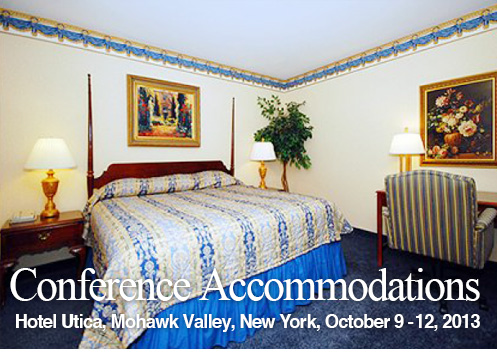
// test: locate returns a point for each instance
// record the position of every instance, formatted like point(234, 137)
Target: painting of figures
point(162, 113)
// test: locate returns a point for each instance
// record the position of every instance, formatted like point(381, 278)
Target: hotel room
point(279, 174)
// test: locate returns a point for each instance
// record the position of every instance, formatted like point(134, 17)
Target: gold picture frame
point(162, 113)
point(458, 122)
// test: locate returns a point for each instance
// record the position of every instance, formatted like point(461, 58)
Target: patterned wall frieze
point(479, 20)
point(17, 22)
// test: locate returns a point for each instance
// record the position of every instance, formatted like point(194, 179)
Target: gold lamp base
point(50, 185)
point(405, 163)
point(262, 173)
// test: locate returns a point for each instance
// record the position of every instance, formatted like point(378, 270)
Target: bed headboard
point(150, 169)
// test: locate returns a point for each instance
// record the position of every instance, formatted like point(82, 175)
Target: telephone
point(23, 216)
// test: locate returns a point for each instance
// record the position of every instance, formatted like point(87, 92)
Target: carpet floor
point(360, 254)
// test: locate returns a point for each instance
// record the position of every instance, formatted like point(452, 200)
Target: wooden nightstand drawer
point(40, 236)
point(17, 244)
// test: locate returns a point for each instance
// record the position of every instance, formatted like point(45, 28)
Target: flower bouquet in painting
point(458, 123)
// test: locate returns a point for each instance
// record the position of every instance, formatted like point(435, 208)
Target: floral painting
point(458, 121)
point(162, 113)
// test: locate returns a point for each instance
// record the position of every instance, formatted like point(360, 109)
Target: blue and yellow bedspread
point(184, 227)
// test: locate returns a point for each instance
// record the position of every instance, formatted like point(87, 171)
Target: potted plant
point(288, 130)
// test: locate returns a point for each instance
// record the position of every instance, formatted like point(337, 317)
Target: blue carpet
point(360, 254)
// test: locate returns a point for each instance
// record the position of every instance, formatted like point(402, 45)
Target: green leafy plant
point(288, 130)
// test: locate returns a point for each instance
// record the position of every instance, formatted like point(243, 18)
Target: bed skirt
point(325, 262)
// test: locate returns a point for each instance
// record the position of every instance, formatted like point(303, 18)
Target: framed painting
point(458, 123)
point(162, 113)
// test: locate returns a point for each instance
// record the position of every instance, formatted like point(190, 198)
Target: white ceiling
point(280, 38)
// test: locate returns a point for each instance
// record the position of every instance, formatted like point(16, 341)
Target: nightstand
point(40, 236)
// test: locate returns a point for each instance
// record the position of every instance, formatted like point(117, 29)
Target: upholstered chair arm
point(485, 219)
point(385, 212)
point(484, 237)
point(387, 222)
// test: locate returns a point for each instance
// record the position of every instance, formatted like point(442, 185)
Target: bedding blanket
point(184, 227)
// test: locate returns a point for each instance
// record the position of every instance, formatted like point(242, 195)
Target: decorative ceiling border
point(17, 21)
point(10, 19)
point(481, 19)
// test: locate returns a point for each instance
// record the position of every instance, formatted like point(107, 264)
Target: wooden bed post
point(89, 174)
point(232, 166)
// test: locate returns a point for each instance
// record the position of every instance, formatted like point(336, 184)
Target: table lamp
point(406, 145)
point(49, 154)
point(262, 151)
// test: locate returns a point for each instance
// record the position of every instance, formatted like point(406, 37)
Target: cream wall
point(43, 92)
point(356, 115)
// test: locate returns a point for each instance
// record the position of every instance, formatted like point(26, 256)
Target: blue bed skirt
point(325, 262)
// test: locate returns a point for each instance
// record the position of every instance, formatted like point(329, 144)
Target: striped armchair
point(435, 214)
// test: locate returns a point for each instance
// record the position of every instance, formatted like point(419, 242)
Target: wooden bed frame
point(150, 169)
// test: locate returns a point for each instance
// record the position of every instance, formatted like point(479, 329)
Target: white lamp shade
point(407, 144)
point(263, 151)
point(50, 153)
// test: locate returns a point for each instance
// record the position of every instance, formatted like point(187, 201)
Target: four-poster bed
point(183, 220)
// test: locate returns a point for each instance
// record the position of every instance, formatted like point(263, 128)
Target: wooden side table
point(40, 236)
